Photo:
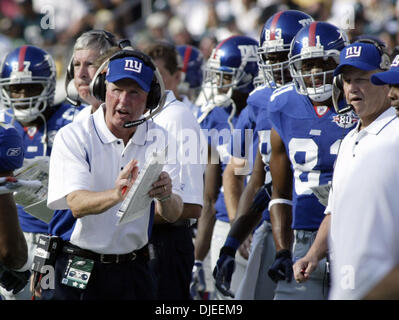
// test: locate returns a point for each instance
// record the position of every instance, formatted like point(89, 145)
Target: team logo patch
point(14, 152)
point(353, 52)
point(30, 131)
point(395, 61)
point(133, 65)
point(321, 110)
point(249, 52)
point(346, 120)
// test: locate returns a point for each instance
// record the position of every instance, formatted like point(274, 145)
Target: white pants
point(256, 284)
point(219, 236)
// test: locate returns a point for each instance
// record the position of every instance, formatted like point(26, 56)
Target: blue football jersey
point(38, 141)
point(219, 134)
point(257, 101)
point(311, 136)
point(11, 148)
point(256, 105)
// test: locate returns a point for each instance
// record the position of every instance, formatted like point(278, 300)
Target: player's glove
point(225, 266)
point(198, 284)
point(13, 280)
point(281, 269)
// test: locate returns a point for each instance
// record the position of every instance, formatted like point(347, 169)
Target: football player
point(230, 72)
point(27, 85)
point(274, 44)
point(305, 139)
point(14, 265)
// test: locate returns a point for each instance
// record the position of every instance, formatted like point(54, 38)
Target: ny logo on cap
point(353, 52)
point(133, 65)
point(395, 61)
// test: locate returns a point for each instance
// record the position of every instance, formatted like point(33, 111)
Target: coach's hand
point(281, 269)
point(304, 267)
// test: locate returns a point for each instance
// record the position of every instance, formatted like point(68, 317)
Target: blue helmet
point(317, 40)
point(28, 65)
point(192, 61)
point(276, 36)
point(234, 56)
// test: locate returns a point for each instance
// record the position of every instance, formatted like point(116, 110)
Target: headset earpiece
point(385, 59)
point(97, 84)
point(339, 82)
point(72, 95)
point(338, 97)
point(69, 72)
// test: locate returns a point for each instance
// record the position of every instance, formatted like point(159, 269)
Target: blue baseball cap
point(387, 77)
point(364, 56)
point(11, 149)
point(130, 68)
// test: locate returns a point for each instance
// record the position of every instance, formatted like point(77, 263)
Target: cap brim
point(356, 64)
point(387, 77)
point(141, 83)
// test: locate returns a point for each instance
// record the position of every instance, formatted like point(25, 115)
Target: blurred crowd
point(55, 25)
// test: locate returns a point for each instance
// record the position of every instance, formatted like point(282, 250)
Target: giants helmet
point(28, 65)
point(276, 36)
point(317, 40)
point(192, 60)
point(234, 56)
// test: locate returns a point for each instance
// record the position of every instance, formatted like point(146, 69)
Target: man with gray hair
point(82, 68)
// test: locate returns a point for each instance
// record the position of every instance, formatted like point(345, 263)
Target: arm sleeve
point(69, 168)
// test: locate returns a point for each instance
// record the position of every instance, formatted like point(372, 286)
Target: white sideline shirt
point(177, 119)
point(87, 156)
point(364, 204)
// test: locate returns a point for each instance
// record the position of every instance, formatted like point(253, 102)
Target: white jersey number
point(310, 150)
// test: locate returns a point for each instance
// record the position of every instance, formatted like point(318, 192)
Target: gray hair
point(98, 40)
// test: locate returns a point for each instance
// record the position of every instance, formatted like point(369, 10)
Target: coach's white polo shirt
point(87, 156)
point(364, 203)
point(183, 127)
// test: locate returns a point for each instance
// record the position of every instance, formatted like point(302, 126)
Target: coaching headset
point(71, 93)
point(338, 83)
point(156, 96)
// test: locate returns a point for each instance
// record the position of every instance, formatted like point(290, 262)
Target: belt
point(106, 258)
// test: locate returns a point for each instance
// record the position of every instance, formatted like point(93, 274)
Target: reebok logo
point(14, 152)
point(133, 65)
point(353, 52)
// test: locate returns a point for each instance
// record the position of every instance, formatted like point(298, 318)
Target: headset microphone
point(136, 123)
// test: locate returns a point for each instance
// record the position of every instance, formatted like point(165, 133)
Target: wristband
point(232, 243)
point(198, 263)
point(230, 247)
point(279, 201)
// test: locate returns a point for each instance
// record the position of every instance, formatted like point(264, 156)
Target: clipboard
point(137, 202)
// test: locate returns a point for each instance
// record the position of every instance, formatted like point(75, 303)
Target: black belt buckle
point(103, 258)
